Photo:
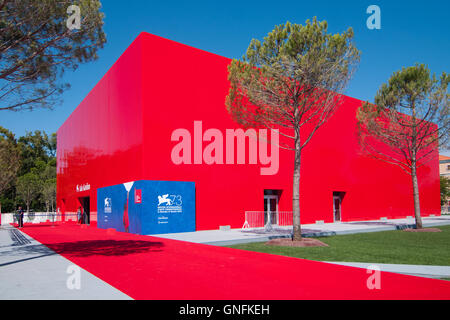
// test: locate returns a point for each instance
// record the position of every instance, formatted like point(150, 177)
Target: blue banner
point(147, 207)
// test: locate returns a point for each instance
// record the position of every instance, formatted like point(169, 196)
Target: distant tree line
point(27, 171)
point(445, 190)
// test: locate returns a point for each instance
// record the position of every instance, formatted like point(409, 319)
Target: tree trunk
point(297, 230)
point(414, 170)
point(416, 197)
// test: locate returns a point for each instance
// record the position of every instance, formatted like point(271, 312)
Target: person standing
point(20, 217)
point(85, 217)
point(79, 216)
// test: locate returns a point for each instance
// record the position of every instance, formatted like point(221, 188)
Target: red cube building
point(122, 131)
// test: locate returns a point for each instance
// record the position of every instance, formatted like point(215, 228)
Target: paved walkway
point(31, 271)
point(235, 236)
point(409, 269)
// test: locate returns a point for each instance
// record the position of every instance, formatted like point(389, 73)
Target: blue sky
point(411, 31)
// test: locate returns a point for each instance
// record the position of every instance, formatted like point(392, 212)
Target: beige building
point(444, 166)
point(444, 171)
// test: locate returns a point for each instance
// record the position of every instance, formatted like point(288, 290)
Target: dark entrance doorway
point(86, 205)
point(338, 197)
point(271, 198)
point(270, 209)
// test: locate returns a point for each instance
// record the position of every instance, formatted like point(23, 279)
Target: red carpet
point(153, 268)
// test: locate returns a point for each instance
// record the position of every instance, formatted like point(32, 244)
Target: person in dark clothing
point(85, 217)
point(79, 216)
point(20, 217)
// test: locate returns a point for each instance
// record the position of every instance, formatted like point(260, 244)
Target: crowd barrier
point(42, 217)
point(257, 219)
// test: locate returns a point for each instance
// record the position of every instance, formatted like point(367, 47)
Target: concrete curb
point(409, 269)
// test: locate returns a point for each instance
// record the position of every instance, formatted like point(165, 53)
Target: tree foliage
point(28, 187)
point(49, 194)
point(34, 147)
point(9, 159)
point(445, 190)
point(34, 157)
point(409, 121)
point(292, 79)
point(292, 82)
point(36, 46)
point(411, 116)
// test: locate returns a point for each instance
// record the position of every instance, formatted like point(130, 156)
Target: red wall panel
point(101, 141)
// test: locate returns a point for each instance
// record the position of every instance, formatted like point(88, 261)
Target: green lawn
point(381, 247)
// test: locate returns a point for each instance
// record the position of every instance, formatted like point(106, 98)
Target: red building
point(122, 131)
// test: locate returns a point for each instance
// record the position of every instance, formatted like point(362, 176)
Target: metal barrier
point(38, 217)
point(258, 219)
point(285, 218)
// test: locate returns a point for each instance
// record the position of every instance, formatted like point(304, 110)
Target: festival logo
point(108, 205)
point(137, 195)
point(170, 203)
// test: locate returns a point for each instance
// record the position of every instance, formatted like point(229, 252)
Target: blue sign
point(147, 207)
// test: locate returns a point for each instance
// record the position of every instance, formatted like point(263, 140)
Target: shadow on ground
point(106, 247)
point(277, 231)
point(87, 248)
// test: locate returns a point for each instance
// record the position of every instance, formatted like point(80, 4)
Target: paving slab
point(31, 271)
point(409, 269)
